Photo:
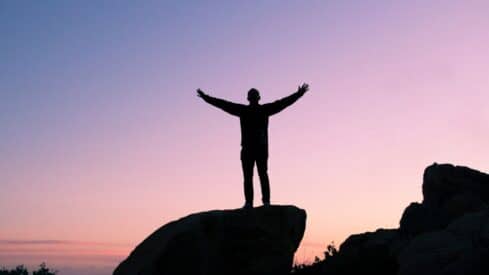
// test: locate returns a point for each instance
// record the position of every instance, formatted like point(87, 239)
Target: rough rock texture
point(258, 241)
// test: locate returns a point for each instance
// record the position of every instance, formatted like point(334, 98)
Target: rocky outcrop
point(366, 253)
point(449, 192)
point(447, 231)
point(461, 248)
point(385, 242)
point(442, 182)
point(446, 234)
point(257, 241)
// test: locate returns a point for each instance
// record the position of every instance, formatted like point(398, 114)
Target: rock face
point(257, 241)
point(449, 192)
point(449, 230)
point(461, 248)
point(441, 182)
point(368, 253)
point(446, 234)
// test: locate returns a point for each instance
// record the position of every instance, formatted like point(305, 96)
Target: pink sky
point(104, 139)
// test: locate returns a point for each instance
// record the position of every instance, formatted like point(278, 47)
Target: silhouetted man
point(254, 135)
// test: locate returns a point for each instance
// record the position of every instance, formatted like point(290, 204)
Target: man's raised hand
point(303, 88)
point(200, 93)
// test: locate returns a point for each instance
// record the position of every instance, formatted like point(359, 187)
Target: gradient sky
point(103, 138)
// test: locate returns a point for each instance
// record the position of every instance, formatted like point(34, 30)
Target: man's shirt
point(254, 119)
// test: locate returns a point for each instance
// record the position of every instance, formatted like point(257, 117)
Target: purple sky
point(103, 139)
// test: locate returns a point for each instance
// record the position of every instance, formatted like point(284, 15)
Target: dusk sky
point(103, 138)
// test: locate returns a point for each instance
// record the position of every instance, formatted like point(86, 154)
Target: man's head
point(253, 96)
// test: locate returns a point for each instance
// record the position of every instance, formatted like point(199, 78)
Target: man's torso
point(254, 128)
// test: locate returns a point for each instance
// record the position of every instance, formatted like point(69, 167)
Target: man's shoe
point(248, 205)
point(266, 203)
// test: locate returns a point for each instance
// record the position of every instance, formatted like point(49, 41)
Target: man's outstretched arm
point(229, 107)
point(279, 105)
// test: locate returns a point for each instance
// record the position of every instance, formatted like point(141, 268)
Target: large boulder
point(462, 248)
point(449, 192)
point(369, 253)
point(255, 241)
point(419, 218)
point(441, 182)
point(430, 253)
point(385, 241)
point(366, 253)
point(449, 230)
point(446, 234)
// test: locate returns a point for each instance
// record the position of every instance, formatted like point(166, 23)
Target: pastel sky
point(103, 138)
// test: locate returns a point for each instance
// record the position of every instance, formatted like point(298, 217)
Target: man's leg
point(262, 165)
point(247, 163)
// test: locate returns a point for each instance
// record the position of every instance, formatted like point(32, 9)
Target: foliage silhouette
point(330, 252)
point(334, 264)
point(22, 270)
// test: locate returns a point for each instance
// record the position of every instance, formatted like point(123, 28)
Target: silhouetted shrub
point(21, 270)
point(337, 263)
point(43, 270)
point(317, 266)
point(331, 251)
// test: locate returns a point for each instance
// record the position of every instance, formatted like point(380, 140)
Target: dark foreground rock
point(366, 253)
point(446, 234)
point(461, 248)
point(449, 192)
point(449, 231)
point(259, 241)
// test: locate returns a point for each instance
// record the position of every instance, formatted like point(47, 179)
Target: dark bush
point(21, 270)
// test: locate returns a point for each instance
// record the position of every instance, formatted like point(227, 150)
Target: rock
point(442, 181)
point(449, 192)
point(462, 248)
point(383, 239)
point(446, 234)
point(473, 227)
point(258, 241)
point(461, 204)
point(366, 253)
point(472, 262)
point(430, 253)
point(418, 218)
point(449, 230)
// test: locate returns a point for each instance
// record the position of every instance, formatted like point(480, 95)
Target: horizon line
point(58, 242)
